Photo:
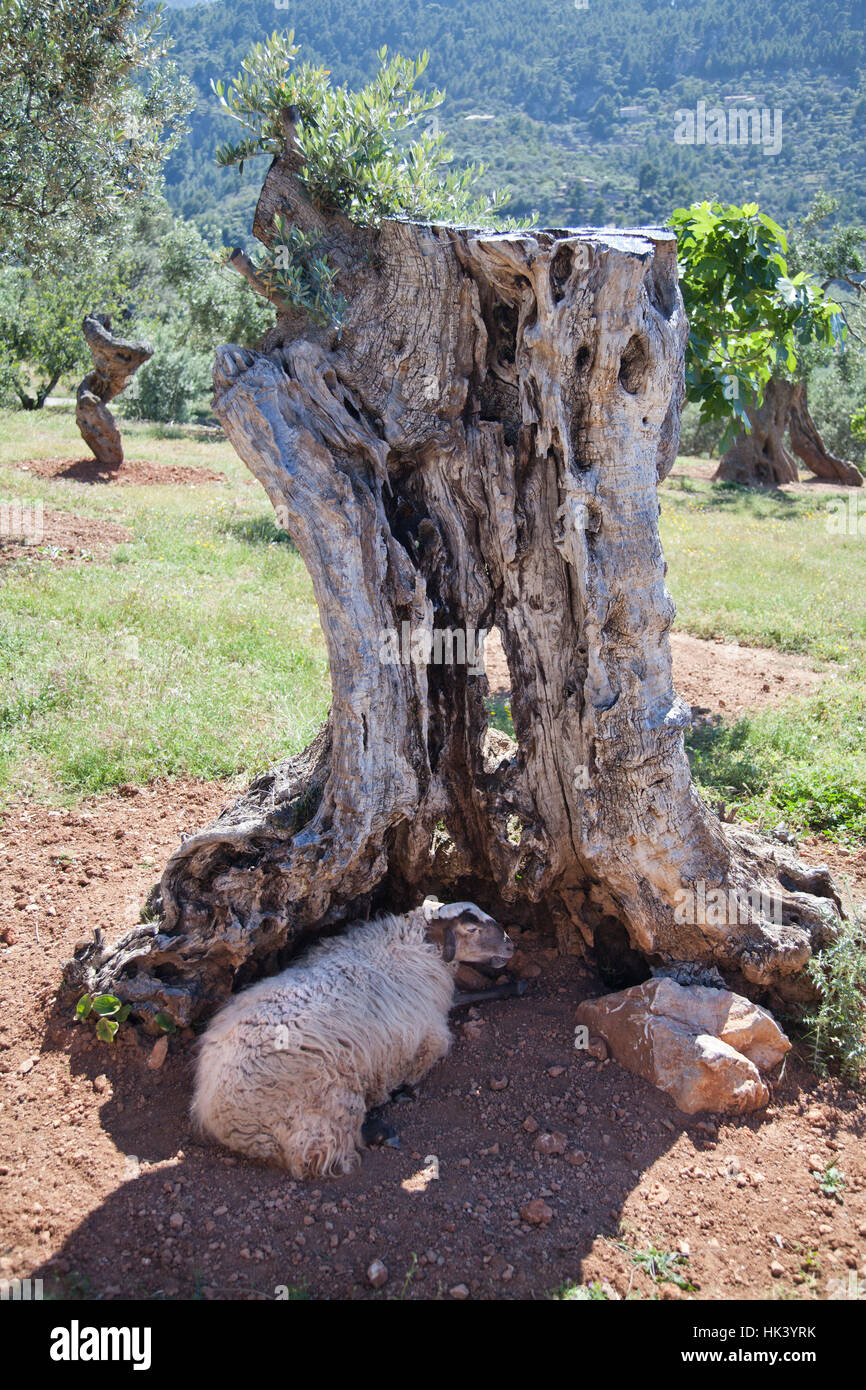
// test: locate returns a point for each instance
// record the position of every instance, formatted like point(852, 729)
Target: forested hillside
point(573, 110)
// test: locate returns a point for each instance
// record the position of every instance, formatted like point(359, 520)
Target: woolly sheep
point(289, 1067)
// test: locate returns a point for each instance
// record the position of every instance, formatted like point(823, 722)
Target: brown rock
point(682, 1040)
point(536, 1212)
point(555, 1143)
point(158, 1053)
point(377, 1274)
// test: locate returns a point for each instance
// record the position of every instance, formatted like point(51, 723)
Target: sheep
point(289, 1067)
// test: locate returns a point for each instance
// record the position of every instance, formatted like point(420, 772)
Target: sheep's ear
point(431, 908)
point(449, 944)
point(471, 911)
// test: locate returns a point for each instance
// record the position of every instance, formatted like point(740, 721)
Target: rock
point(377, 1274)
point(776, 1269)
point(555, 1143)
point(100, 1083)
point(175, 1221)
point(554, 1072)
point(158, 1053)
point(703, 1046)
point(498, 1083)
point(597, 1047)
point(530, 1124)
point(536, 1212)
point(459, 1291)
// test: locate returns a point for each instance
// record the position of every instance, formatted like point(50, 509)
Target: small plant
point(836, 1029)
point(594, 1292)
point(166, 1023)
point(294, 270)
point(662, 1266)
point(108, 1011)
point(831, 1182)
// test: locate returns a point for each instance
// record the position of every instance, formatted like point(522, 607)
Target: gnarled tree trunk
point(115, 362)
point(480, 447)
point(760, 458)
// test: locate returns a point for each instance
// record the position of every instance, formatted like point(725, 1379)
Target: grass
point(769, 570)
point(194, 649)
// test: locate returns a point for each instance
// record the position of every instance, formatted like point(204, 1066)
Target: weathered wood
point(760, 458)
point(115, 362)
point(481, 445)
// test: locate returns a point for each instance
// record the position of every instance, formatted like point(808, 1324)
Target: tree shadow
point(191, 1220)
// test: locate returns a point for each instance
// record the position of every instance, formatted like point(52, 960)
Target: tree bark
point(760, 458)
point(481, 446)
point(808, 445)
point(115, 362)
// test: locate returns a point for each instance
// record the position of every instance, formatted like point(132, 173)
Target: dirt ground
point(106, 1193)
point(61, 538)
point(808, 485)
point(132, 472)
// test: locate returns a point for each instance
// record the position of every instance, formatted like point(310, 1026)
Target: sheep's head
point(464, 933)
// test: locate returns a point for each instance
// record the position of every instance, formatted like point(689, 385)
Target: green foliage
point(662, 1266)
point(108, 1012)
point(40, 320)
point(831, 1182)
point(294, 269)
point(165, 388)
point(89, 108)
point(748, 318)
point(835, 1029)
point(365, 154)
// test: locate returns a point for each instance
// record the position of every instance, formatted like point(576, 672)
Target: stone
point(459, 1291)
point(704, 1047)
point(377, 1274)
point(555, 1143)
point(536, 1212)
point(158, 1053)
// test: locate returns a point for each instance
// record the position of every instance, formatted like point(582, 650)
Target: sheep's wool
point(288, 1069)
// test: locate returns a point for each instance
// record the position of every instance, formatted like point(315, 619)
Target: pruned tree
point(477, 442)
point(115, 362)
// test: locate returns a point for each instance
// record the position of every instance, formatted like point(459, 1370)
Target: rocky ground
point(524, 1165)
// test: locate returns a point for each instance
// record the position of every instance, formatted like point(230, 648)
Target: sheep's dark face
point(465, 933)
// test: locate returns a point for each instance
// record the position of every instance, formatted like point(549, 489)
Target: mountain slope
point(574, 110)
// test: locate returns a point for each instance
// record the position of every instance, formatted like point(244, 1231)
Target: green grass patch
point(193, 649)
point(771, 569)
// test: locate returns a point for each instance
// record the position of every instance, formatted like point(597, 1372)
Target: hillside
point(573, 110)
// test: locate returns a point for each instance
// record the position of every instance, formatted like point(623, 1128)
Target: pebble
point(459, 1291)
point(776, 1269)
point(497, 1083)
point(555, 1143)
point(536, 1212)
point(158, 1053)
point(377, 1274)
point(530, 1124)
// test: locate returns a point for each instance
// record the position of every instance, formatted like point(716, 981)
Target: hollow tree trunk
point(115, 361)
point(760, 458)
point(482, 446)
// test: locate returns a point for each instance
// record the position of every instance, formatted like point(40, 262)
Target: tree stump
point(760, 458)
point(481, 446)
point(115, 362)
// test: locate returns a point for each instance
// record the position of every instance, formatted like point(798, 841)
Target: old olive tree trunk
point(115, 362)
point(481, 447)
point(761, 458)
